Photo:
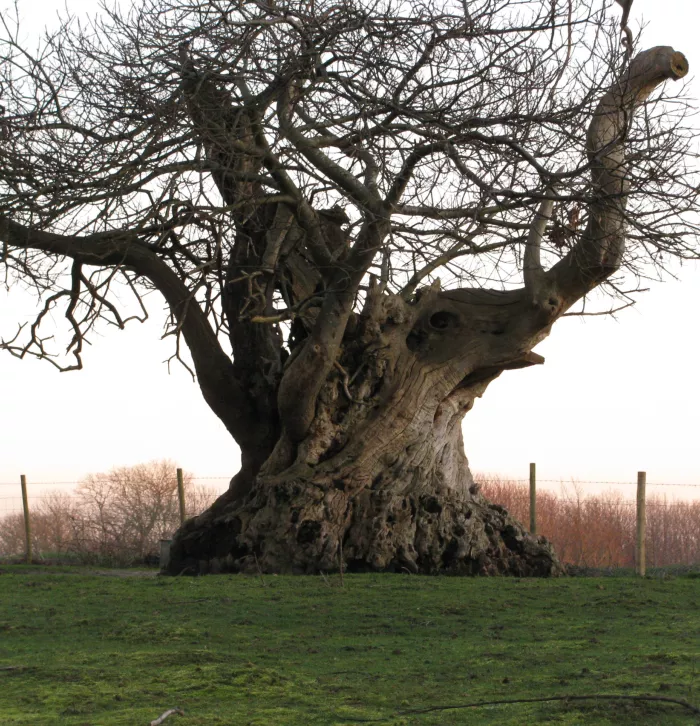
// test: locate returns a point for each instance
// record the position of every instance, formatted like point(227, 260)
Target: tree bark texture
point(381, 476)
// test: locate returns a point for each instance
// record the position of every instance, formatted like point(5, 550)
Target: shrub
point(115, 518)
point(600, 530)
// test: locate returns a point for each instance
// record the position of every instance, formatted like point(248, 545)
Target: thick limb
point(220, 387)
point(599, 252)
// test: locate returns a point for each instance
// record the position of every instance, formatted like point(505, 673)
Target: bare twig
point(612, 311)
point(170, 712)
point(592, 697)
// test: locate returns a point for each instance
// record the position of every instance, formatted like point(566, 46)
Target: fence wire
point(13, 504)
point(592, 529)
point(570, 480)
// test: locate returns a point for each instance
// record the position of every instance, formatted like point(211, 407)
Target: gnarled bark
point(381, 480)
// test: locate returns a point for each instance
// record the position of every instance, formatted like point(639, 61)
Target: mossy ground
point(106, 650)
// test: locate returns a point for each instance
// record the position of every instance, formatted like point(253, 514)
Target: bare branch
point(124, 249)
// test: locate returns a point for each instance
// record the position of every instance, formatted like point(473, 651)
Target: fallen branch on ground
point(601, 696)
point(162, 717)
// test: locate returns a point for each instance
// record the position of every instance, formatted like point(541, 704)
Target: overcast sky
point(614, 396)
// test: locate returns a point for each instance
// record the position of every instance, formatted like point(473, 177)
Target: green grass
point(106, 650)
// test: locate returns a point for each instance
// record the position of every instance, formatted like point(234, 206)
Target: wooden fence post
point(181, 495)
point(640, 563)
point(27, 524)
point(533, 499)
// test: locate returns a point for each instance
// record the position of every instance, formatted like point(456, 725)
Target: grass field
point(79, 648)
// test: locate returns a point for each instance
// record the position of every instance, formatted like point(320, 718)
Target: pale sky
point(614, 396)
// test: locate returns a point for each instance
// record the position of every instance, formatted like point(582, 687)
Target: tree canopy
point(161, 127)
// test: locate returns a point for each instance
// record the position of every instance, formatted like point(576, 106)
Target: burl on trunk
point(379, 480)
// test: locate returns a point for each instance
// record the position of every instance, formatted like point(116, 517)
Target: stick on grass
point(170, 712)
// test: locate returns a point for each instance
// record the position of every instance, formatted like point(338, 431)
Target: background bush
point(599, 530)
point(116, 518)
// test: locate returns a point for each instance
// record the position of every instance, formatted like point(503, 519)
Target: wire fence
point(121, 522)
point(213, 486)
point(607, 529)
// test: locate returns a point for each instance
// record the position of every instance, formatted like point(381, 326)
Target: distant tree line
point(115, 518)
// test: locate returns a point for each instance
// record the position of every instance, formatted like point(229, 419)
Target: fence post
point(181, 495)
point(641, 565)
point(533, 499)
point(27, 525)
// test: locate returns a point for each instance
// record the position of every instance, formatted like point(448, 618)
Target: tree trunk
point(380, 482)
point(310, 522)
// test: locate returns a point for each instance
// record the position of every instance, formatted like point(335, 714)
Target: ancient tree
point(358, 215)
